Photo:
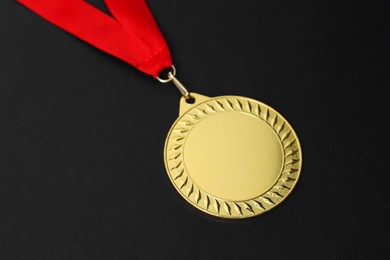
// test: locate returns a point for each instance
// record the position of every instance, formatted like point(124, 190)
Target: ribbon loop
point(131, 35)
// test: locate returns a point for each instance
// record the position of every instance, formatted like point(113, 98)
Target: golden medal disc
point(232, 157)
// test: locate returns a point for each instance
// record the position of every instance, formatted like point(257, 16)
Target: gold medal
point(231, 156)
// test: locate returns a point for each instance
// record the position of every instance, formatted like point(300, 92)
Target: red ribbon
point(131, 34)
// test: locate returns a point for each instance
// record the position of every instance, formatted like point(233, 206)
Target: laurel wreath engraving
point(221, 207)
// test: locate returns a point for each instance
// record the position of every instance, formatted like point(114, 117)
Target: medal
point(228, 156)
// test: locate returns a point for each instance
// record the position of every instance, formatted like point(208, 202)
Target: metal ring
point(168, 79)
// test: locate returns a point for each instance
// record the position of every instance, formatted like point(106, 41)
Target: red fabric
point(131, 34)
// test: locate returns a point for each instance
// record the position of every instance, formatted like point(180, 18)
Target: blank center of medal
point(233, 156)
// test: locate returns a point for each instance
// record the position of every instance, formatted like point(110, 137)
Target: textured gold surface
point(232, 157)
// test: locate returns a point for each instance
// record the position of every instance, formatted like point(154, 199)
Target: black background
point(82, 133)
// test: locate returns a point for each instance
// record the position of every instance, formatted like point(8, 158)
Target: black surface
point(82, 133)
